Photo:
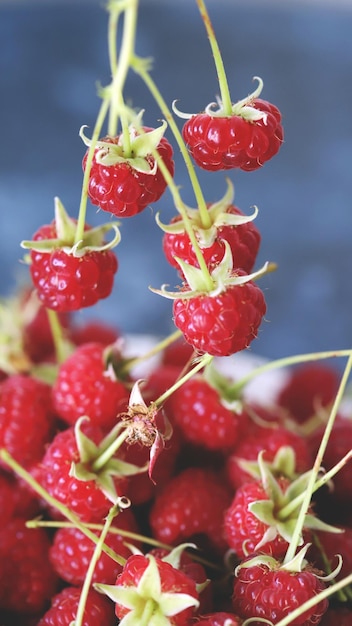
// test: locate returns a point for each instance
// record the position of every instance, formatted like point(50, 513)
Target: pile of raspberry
point(201, 492)
point(171, 499)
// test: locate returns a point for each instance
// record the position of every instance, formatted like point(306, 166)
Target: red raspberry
point(27, 580)
point(309, 388)
point(83, 497)
point(121, 189)
point(191, 504)
point(224, 323)
point(71, 552)
point(197, 410)
point(170, 583)
point(222, 143)
point(68, 282)
point(26, 417)
point(244, 241)
point(194, 570)
point(331, 544)
point(84, 387)
point(94, 330)
point(269, 591)
point(244, 530)
point(270, 440)
point(338, 446)
point(37, 334)
point(98, 610)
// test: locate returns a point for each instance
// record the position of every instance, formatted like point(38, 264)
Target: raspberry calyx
point(97, 463)
point(223, 276)
point(93, 239)
point(147, 425)
point(219, 215)
point(142, 143)
point(151, 591)
point(242, 108)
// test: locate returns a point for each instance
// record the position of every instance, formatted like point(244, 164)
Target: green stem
point(139, 68)
point(286, 511)
point(208, 281)
point(220, 69)
point(205, 360)
point(120, 69)
point(341, 595)
point(159, 347)
point(91, 568)
point(52, 502)
point(235, 389)
point(291, 551)
point(57, 335)
point(84, 193)
point(36, 523)
point(105, 456)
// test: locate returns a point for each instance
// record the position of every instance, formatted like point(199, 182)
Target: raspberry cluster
point(158, 491)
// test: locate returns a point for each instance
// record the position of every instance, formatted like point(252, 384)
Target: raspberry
point(338, 445)
point(123, 190)
point(26, 417)
point(222, 143)
point(37, 335)
point(159, 589)
point(191, 504)
point(84, 387)
point(309, 388)
point(94, 330)
point(98, 609)
point(244, 241)
point(271, 592)
point(66, 281)
point(270, 440)
point(196, 572)
point(27, 580)
point(222, 323)
point(71, 552)
point(244, 530)
point(197, 410)
point(83, 497)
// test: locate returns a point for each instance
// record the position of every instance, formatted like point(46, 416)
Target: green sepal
point(148, 604)
point(141, 145)
point(218, 216)
point(243, 108)
point(93, 239)
point(90, 453)
point(222, 276)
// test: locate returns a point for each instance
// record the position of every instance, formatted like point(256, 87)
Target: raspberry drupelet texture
point(223, 143)
point(224, 323)
point(272, 593)
point(66, 281)
point(123, 190)
point(244, 241)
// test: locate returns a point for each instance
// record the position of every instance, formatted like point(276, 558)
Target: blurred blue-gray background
point(53, 54)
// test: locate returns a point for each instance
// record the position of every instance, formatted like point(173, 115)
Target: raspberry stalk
point(291, 551)
point(95, 557)
point(140, 67)
point(120, 66)
point(220, 69)
point(234, 390)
